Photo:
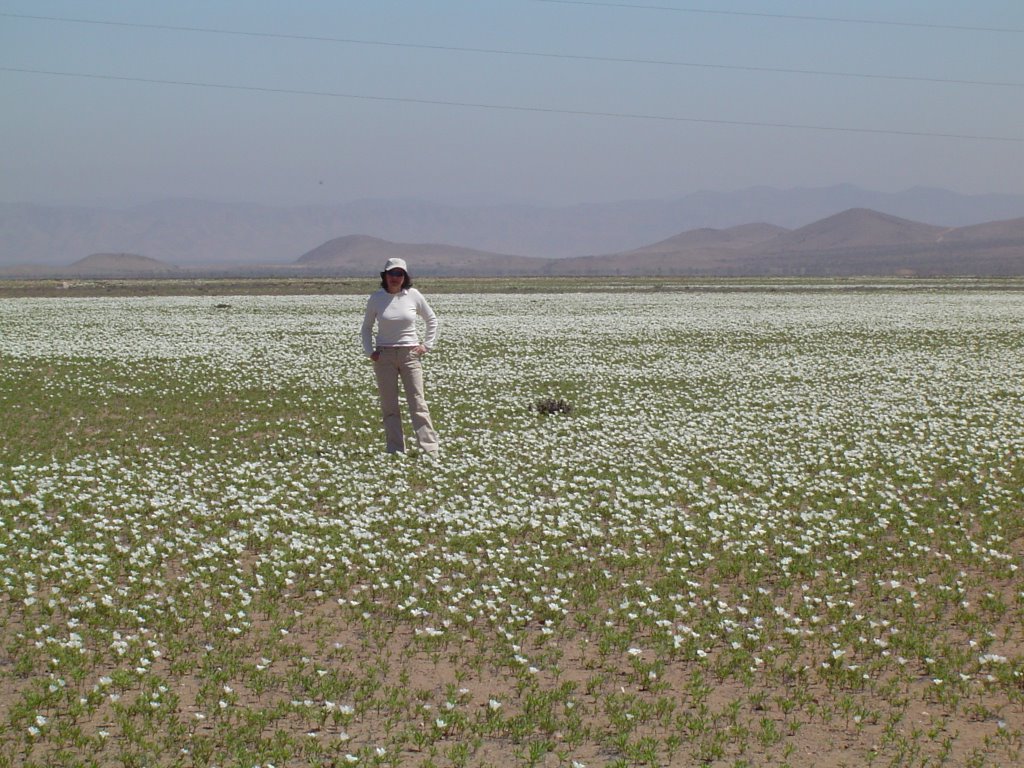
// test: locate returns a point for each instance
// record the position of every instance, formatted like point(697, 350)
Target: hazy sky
point(325, 101)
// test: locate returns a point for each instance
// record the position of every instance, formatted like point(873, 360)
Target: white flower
point(992, 658)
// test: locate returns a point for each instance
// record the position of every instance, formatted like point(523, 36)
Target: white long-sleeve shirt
point(395, 317)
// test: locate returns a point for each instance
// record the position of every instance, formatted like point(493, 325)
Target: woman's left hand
point(419, 350)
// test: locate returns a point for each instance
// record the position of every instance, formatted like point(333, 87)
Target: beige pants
point(401, 362)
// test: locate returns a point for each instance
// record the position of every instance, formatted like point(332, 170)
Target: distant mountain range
point(855, 242)
point(193, 234)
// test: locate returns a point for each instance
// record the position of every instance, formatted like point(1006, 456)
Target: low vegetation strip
point(776, 527)
point(360, 286)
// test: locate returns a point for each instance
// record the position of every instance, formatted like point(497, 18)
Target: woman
point(396, 352)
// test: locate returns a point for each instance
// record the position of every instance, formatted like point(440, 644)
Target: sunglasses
point(395, 273)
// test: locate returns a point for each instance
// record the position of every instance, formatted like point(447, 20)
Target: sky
point(553, 102)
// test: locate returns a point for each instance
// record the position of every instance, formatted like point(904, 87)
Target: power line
point(789, 16)
point(519, 108)
point(534, 54)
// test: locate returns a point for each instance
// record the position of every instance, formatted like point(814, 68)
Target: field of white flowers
point(779, 527)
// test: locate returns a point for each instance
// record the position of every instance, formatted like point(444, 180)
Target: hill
point(698, 251)
point(989, 232)
point(853, 243)
point(856, 228)
point(857, 242)
point(119, 265)
point(733, 238)
point(363, 255)
point(202, 234)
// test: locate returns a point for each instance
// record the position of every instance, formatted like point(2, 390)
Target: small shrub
point(550, 405)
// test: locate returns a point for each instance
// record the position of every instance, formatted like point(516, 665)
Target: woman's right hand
point(375, 356)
